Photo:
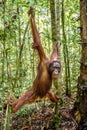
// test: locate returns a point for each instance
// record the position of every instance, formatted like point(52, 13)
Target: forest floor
point(41, 119)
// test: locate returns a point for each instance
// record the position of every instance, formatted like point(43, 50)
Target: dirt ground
point(42, 118)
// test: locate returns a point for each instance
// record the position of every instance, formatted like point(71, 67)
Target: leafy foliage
point(18, 63)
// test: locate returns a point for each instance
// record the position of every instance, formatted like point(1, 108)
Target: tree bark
point(80, 105)
point(55, 26)
point(66, 55)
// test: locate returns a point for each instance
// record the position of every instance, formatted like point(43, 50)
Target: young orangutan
point(48, 69)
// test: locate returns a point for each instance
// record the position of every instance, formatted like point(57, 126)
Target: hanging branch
point(23, 42)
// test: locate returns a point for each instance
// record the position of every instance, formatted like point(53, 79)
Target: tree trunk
point(55, 25)
point(80, 106)
point(66, 55)
point(53, 21)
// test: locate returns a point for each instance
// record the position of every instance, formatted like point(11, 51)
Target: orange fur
point(43, 81)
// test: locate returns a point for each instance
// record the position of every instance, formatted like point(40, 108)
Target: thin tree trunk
point(66, 55)
point(55, 25)
point(4, 42)
point(21, 45)
point(3, 63)
point(53, 21)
